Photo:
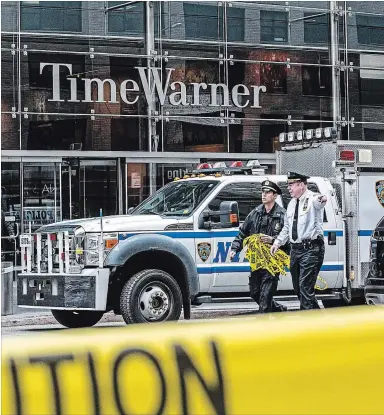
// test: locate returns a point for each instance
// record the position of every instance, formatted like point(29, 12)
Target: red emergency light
point(204, 166)
point(237, 164)
point(347, 155)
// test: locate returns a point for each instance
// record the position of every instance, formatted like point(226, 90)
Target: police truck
point(171, 253)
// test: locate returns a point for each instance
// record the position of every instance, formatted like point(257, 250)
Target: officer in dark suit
point(303, 227)
point(266, 219)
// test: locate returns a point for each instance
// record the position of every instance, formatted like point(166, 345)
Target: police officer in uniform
point(303, 227)
point(266, 219)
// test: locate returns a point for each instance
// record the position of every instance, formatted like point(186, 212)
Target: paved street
point(30, 321)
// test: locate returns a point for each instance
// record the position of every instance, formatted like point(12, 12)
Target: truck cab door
point(232, 276)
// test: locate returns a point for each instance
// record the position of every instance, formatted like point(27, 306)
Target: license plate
point(26, 241)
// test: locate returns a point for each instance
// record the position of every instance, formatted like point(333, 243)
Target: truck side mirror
point(130, 210)
point(229, 214)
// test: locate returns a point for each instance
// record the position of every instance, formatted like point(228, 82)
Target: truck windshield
point(179, 198)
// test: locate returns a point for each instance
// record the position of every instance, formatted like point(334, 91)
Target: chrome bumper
point(85, 291)
point(374, 294)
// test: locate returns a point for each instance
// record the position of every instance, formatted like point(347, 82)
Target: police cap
point(268, 185)
point(296, 177)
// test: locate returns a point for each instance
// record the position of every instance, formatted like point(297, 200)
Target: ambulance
point(171, 253)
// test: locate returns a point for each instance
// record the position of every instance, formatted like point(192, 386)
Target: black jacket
point(253, 223)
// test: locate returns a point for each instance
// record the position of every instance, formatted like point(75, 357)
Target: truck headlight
point(92, 249)
point(92, 242)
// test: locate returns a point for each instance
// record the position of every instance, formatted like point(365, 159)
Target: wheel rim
point(155, 301)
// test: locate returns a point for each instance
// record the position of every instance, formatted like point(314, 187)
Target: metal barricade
point(6, 288)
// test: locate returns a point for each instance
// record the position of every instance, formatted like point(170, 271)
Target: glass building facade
point(104, 102)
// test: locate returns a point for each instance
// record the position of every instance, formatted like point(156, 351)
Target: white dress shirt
point(310, 219)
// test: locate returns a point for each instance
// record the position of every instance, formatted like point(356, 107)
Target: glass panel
point(41, 185)
point(273, 26)
point(167, 173)
point(10, 137)
point(10, 207)
point(177, 198)
point(51, 15)
point(126, 18)
point(316, 27)
point(137, 183)
point(370, 29)
point(98, 188)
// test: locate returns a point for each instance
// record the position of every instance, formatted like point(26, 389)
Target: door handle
point(331, 238)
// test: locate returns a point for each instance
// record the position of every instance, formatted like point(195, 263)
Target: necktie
point(295, 220)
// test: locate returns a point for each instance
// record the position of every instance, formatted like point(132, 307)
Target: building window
point(316, 28)
point(129, 18)
point(317, 80)
point(274, 77)
point(44, 80)
point(58, 16)
point(273, 27)
point(370, 29)
point(372, 80)
point(206, 22)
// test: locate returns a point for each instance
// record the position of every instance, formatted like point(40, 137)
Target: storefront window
point(41, 198)
point(58, 16)
point(137, 183)
point(10, 207)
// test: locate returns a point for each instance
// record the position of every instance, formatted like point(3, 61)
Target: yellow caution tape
point(259, 256)
point(263, 365)
point(317, 286)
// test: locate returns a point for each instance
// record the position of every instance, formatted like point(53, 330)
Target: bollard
point(6, 288)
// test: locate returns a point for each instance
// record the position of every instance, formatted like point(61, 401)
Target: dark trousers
point(263, 286)
point(305, 267)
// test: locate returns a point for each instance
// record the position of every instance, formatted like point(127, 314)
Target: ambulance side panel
point(370, 212)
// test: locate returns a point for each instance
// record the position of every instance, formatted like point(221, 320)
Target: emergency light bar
point(297, 140)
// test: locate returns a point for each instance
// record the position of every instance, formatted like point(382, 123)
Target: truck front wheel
point(150, 296)
point(76, 319)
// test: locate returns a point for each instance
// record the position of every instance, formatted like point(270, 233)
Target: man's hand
point(232, 255)
point(274, 249)
point(322, 199)
point(266, 239)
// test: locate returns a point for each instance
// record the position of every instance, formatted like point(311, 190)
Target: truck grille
point(51, 253)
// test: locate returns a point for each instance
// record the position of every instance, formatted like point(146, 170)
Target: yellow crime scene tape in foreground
point(320, 362)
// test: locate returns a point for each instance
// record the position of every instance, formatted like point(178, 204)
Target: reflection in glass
point(273, 26)
point(370, 29)
point(58, 16)
point(41, 195)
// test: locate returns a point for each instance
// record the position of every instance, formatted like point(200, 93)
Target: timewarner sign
point(241, 96)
